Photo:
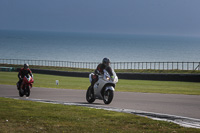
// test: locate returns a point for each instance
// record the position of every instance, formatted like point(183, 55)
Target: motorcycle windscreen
point(109, 70)
point(112, 73)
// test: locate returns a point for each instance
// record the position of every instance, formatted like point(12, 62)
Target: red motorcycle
point(26, 86)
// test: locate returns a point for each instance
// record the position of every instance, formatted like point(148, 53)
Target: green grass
point(92, 70)
point(49, 81)
point(167, 87)
point(159, 71)
point(28, 116)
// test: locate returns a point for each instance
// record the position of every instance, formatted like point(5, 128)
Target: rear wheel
point(108, 96)
point(90, 95)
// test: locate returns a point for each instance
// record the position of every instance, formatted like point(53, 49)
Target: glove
point(20, 78)
point(97, 72)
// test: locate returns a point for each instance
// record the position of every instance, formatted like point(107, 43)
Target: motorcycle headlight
point(108, 78)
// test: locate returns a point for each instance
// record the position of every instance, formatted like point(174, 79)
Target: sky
point(167, 17)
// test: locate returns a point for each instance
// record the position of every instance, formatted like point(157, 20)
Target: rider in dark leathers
point(99, 70)
point(23, 71)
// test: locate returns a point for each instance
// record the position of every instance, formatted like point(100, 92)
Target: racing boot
point(17, 85)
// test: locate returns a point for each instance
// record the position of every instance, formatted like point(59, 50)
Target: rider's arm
point(19, 75)
point(98, 70)
point(30, 72)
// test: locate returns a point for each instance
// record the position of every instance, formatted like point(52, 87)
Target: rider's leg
point(19, 84)
point(94, 80)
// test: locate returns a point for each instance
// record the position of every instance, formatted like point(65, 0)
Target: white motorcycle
point(104, 88)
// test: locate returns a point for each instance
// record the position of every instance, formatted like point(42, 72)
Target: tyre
point(90, 95)
point(108, 96)
point(27, 91)
point(21, 92)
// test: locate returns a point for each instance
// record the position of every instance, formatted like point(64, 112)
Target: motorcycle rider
point(99, 70)
point(23, 71)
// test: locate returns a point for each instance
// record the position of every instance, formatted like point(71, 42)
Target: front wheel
point(21, 92)
point(90, 95)
point(108, 96)
point(27, 91)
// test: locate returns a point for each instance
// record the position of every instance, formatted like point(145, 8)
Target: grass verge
point(92, 70)
point(48, 81)
point(23, 116)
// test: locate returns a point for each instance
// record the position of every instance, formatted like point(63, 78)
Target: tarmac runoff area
point(9, 91)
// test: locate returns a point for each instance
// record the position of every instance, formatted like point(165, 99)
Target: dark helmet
point(26, 66)
point(106, 61)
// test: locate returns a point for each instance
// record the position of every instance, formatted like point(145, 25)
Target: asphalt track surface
point(172, 104)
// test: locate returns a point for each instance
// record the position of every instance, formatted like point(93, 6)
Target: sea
point(93, 47)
